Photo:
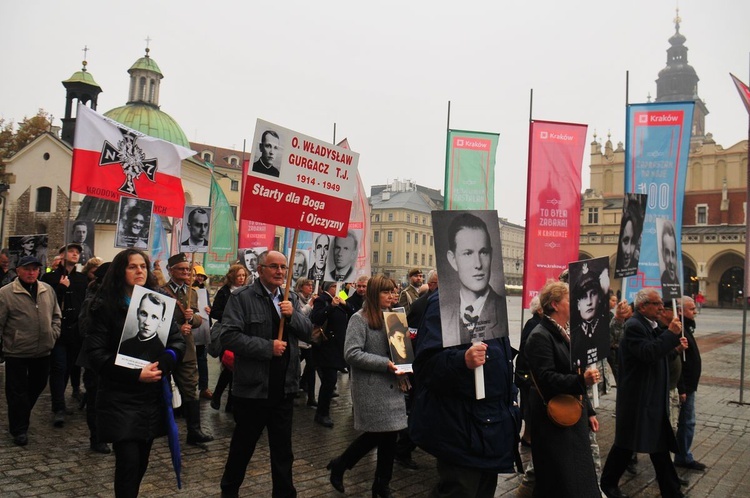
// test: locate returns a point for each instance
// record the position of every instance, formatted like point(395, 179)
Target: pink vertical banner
point(553, 202)
point(359, 221)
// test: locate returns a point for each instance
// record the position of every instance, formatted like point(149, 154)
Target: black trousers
point(386, 444)
point(131, 462)
point(91, 383)
point(463, 482)
point(328, 378)
point(251, 416)
point(619, 458)
point(25, 379)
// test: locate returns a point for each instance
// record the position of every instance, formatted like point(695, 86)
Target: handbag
point(564, 410)
point(319, 336)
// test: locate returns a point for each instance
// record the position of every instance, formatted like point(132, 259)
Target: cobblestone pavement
point(58, 462)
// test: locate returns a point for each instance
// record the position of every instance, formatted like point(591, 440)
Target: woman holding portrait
point(562, 456)
point(377, 397)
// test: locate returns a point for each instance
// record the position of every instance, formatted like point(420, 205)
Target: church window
point(43, 200)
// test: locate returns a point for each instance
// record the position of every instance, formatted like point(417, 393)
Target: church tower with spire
point(80, 87)
point(678, 81)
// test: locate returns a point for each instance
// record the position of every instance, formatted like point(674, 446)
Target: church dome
point(153, 122)
point(141, 112)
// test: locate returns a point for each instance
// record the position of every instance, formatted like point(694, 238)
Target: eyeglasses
point(276, 267)
point(186, 268)
point(656, 303)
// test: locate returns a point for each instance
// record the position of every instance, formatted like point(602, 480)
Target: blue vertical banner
point(656, 158)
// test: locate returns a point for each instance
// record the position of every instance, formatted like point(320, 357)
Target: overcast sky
point(382, 71)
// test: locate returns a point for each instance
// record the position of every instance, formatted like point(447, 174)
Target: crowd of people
point(63, 325)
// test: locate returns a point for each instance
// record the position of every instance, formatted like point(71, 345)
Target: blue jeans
point(686, 430)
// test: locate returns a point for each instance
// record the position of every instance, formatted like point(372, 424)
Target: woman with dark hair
point(562, 456)
point(377, 391)
point(235, 278)
point(129, 406)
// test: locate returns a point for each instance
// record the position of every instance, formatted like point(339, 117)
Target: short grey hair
point(535, 306)
point(685, 300)
point(641, 296)
point(432, 273)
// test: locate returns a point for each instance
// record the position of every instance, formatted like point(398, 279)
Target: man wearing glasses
point(187, 318)
point(642, 422)
point(266, 373)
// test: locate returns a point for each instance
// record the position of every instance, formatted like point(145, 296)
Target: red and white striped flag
point(111, 160)
point(744, 91)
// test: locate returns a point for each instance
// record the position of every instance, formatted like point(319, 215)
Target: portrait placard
point(34, 245)
point(82, 232)
point(589, 311)
point(631, 230)
point(146, 328)
point(196, 225)
point(134, 223)
point(298, 181)
point(399, 340)
point(472, 283)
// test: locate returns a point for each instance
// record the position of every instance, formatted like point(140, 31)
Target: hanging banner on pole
point(470, 170)
point(298, 181)
point(222, 246)
point(656, 156)
point(553, 202)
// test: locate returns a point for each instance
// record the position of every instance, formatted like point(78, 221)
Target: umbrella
point(173, 434)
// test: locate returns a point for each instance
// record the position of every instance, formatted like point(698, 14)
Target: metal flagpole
point(746, 286)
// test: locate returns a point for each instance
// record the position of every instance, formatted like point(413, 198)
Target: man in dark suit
point(470, 255)
point(642, 422)
point(670, 284)
point(269, 147)
point(146, 344)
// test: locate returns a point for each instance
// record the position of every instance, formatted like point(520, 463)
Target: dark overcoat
point(126, 409)
point(562, 457)
point(330, 353)
point(642, 423)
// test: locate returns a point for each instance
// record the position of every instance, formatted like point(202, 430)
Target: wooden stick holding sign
point(288, 286)
point(479, 377)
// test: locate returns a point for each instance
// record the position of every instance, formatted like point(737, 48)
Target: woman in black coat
point(129, 405)
point(562, 456)
point(235, 278)
point(328, 356)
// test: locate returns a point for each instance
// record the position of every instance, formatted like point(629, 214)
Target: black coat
point(642, 422)
point(220, 302)
point(691, 365)
point(447, 420)
point(562, 457)
point(331, 352)
point(70, 298)
point(126, 409)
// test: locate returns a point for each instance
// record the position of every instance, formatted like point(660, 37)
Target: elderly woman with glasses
point(562, 456)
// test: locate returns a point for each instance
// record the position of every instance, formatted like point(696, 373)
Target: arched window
point(142, 89)
point(43, 200)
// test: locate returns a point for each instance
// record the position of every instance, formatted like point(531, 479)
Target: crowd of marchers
point(66, 326)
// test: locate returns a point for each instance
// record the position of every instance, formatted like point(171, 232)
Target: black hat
point(177, 259)
point(101, 271)
point(75, 245)
point(29, 260)
point(394, 324)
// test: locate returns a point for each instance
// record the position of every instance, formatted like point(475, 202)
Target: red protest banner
point(299, 181)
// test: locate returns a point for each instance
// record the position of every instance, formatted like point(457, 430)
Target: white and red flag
point(744, 91)
point(111, 160)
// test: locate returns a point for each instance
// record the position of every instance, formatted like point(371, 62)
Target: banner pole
point(446, 189)
point(288, 279)
point(746, 286)
point(627, 88)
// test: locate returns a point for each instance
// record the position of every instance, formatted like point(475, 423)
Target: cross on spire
point(148, 40)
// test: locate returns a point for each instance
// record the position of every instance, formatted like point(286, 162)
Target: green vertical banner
point(222, 242)
point(470, 170)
